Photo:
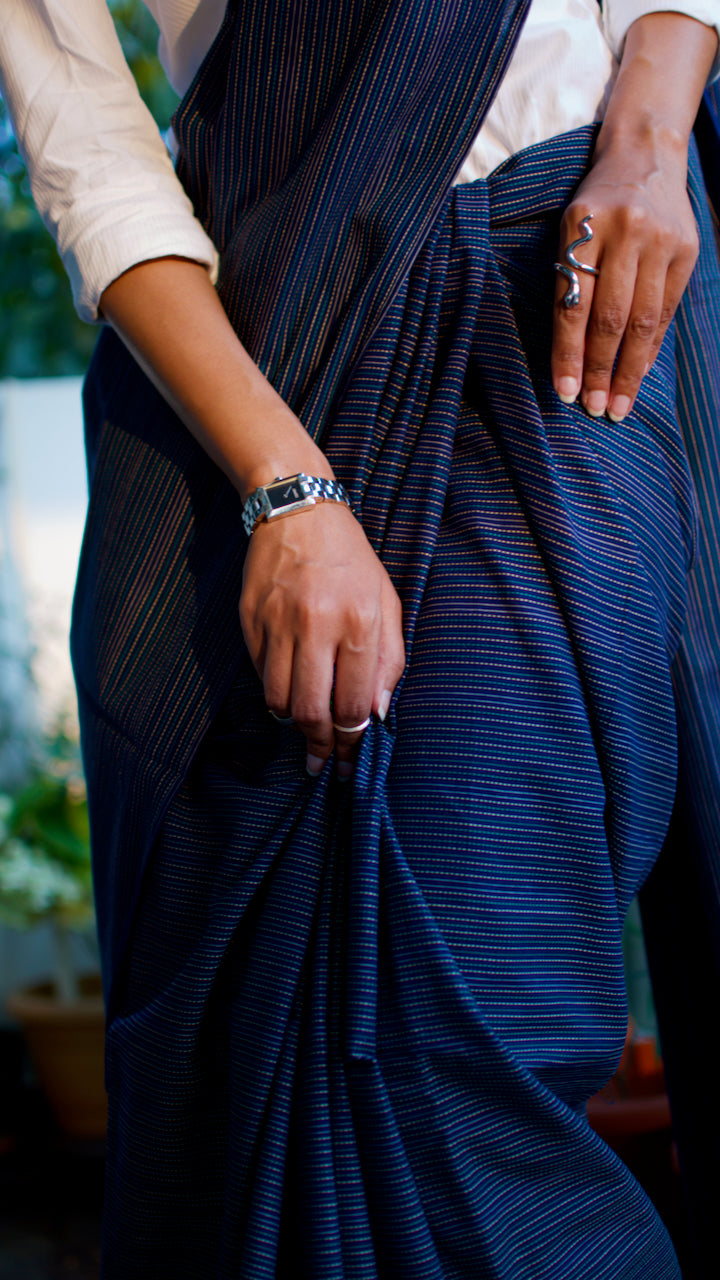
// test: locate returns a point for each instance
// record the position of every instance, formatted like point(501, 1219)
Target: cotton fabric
point(334, 1053)
point(100, 172)
point(379, 1012)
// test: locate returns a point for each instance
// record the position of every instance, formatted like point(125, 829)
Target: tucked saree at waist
point(351, 1033)
point(389, 1005)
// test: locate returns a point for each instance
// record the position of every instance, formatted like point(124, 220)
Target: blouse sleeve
point(101, 176)
point(619, 15)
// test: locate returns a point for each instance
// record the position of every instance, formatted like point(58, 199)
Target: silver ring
point(280, 719)
point(572, 297)
point(353, 728)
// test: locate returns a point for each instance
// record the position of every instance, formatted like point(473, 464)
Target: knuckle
point(351, 713)
point(690, 243)
point(626, 384)
point(634, 220)
point(643, 325)
point(308, 613)
point(310, 717)
point(570, 319)
point(609, 322)
point(574, 212)
point(597, 371)
point(362, 618)
point(274, 610)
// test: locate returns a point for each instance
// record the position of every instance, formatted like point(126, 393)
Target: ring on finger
point(351, 728)
point(572, 297)
point(280, 719)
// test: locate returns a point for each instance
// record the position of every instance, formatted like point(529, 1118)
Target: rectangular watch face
point(288, 496)
point(285, 494)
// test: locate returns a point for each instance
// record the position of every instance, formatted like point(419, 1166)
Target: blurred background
point(52, 1107)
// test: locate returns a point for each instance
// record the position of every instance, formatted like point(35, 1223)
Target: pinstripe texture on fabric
point(319, 177)
point(380, 162)
point(681, 903)
point(358, 1027)
point(697, 668)
point(351, 1032)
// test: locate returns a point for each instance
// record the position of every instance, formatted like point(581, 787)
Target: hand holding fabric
point(319, 613)
point(322, 622)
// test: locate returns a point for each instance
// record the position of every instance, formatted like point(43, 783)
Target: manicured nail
point(384, 704)
point(344, 770)
point(619, 408)
point(567, 389)
point(314, 765)
point(595, 403)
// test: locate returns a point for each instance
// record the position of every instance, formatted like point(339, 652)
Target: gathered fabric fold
point(356, 1026)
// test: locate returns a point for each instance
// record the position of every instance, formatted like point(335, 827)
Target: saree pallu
point(357, 1026)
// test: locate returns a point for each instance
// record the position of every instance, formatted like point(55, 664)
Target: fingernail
point(384, 704)
point(595, 403)
point(314, 765)
point(567, 389)
point(619, 408)
point(344, 770)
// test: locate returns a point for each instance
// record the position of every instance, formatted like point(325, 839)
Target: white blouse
point(101, 174)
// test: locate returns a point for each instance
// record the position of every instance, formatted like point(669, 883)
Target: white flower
point(31, 884)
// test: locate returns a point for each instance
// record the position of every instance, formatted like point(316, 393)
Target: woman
point(353, 1028)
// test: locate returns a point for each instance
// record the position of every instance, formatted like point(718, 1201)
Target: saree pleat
point(681, 902)
point(358, 1025)
point(352, 1029)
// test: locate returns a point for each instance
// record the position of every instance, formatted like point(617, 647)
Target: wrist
point(643, 136)
point(261, 439)
point(281, 462)
point(665, 64)
point(288, 496)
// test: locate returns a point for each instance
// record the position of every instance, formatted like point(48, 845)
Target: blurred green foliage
point(45, 869)
point(40, 333)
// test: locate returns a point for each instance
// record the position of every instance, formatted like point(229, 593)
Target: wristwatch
point(286, 496)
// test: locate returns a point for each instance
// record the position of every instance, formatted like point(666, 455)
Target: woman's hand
point(318, 610)
point(644, 247)
point(321, 619)
point(644, 243)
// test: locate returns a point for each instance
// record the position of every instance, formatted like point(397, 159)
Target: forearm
point(665, 65)
point(320, 617)
point(169, 315)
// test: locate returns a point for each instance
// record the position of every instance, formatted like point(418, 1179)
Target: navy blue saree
point(352, 1031)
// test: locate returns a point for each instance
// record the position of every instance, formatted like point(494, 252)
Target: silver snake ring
point(572, 297)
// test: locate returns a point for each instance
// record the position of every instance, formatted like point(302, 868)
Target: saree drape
point(681, 902)
point(311, 1083)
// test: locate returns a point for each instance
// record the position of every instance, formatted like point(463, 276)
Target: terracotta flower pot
point(66, 1043)
point(634, 1101)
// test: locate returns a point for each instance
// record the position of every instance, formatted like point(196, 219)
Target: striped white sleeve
point(101, 176)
